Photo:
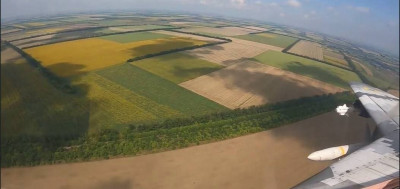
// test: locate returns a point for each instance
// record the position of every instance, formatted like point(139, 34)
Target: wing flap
point(381, 106)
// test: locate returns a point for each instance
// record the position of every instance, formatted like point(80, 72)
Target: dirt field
point(28, 42)
point(224, 31)
point(309, 49)
point(249, 83)
point(270, 159)
point(8, 55)
point(256, 28)
point(10, 31)
point(233, 52)
point(314, 36)
point(197, 37)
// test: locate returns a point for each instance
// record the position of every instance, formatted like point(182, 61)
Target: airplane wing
point(371, 164)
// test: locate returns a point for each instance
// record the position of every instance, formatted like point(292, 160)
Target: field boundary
point(198, 34)
point(225, 40)
point(87, 37)
point(286, 50)
point(360, 75)
point(174, 51)
point(58, 82)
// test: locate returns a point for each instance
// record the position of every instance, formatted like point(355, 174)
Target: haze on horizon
point(370, 22)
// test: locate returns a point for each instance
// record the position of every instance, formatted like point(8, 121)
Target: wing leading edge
point(374, 163)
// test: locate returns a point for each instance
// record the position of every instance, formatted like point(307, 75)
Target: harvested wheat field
point(35, 41)
point(135, 28)
point(256, 28)
point(6, 31)
point(223, 31)
point(249, 83)
point(184, 35)
point(8, 55)
point(335, 58)
point(252, 161)
point(95, 53)
point(308, 49)
point(233, 52)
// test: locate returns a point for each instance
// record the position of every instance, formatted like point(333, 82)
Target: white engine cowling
point(329, 153)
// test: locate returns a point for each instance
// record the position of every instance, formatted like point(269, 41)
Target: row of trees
point(58, 82)
point(165, 135)
point(173, 51)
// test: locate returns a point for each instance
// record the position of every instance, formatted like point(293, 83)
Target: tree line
point(134, 139)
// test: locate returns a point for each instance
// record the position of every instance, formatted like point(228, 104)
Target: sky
point(370, 22)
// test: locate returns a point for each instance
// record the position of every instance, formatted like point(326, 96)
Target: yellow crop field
point(36, 24)
point(80, 56)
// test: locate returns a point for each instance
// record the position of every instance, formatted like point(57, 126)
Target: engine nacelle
point(329, 153)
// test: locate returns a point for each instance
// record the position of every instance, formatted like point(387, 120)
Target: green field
point(380, 78)
point(30, 105)
point(336, 61)
point(269, 39)
point(177, 67)
point(159, 90)
point(307, 67)
point(134, 37)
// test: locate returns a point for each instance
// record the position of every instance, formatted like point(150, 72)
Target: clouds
point(294, 3)
point(362, 9)
point(238, 3)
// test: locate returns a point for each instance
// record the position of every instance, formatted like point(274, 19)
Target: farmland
point(177, 67)
point(249, 83)
point(159, 90)
point(178, 34)
point(231, 53)
point(92, 87)
point(132, 28)
point(134, 37)
point(229, 160)
point(269, 39)
point(335, 58)
point(100, 104)
point(223, 31)
point(310, 68)
point(30, 105)
point(308, 49)
point(96, 53)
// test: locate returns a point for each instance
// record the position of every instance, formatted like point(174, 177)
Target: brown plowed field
point(270, 159)
point(233, 52)
point(309, 49)
point(249, 83)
